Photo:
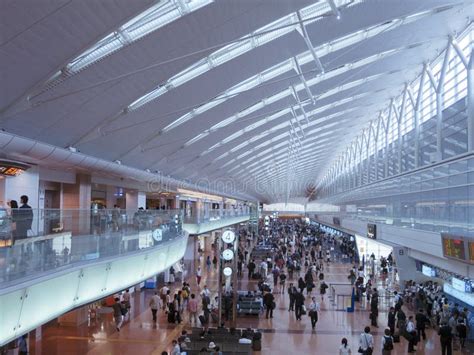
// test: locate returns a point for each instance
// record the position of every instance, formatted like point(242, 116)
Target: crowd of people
point(289, 260)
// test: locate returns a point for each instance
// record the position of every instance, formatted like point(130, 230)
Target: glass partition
point(203, 216)
point(33, 242)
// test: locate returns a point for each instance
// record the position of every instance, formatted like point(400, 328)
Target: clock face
point(228, 237)
point(157, 234)
point(228, 254)
point(227, 271)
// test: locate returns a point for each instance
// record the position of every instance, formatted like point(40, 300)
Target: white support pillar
point(375, 134)
point(439, 105)
point(367, 161)
point(470, 103)
point(400, 116)
point(386, 127)
point(416, 116)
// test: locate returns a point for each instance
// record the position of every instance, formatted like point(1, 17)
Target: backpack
point(388, 343)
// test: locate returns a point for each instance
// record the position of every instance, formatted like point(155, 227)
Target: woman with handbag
point(366, 342)
point(313, 312)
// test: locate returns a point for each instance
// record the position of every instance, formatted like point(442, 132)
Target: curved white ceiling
point(261, 95)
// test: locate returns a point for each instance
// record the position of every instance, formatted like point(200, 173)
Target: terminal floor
point(281, 335)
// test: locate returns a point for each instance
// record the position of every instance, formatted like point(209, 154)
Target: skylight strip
point(325, 48)
point(261, 36)
point(318, 122)
point(288, 65)
point(258, 165)
point(150, 20)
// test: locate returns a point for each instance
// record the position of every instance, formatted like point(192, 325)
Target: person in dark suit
point(391, 320)
point(446, 338)
point(24, 219)
point(268, 301)
point(299, 302)
point(421, 320)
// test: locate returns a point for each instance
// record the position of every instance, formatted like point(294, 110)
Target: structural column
point(470, 103)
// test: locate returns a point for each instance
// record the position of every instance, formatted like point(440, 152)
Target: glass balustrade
point(203, 216)
point(39, 241)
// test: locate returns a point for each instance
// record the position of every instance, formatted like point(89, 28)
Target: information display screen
point(453, 247)
point(12, 168)
point(10, 171)
point(336, 221)
point(372, 231)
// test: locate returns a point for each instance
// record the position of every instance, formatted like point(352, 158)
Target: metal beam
point(303, 80)
point(459, 52)
point(439, 104)
point(399, 127)
point(309, 44)
point(334, 9)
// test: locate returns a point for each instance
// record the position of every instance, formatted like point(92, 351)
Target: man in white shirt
point(366, 340)
point(263, 269)
point(313, 311)
point(154, 305)
point(164, 290)
point(396, 297)
point(206, 292)
point(411, 330)
point(175, 348)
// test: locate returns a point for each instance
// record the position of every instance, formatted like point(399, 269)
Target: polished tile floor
point(281, 335)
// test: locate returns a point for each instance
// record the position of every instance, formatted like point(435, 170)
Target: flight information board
point(454, 247)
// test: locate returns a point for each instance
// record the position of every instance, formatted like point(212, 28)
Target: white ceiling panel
point(208, 93)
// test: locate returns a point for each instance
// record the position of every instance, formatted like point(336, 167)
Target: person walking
point(251, 266)
point(193, 309)
point(126, 300)
point(208, 263)
point(366, 342)
point(299, 303)
point(446, 339)
point(344, 349)
point(282, 282)
point(308, 278)
point(269, 302)
point(154, 304)
point(411, 335)
point(301, 284)
point(292, 294)
point(118, 316)
point(198, 275)
point(313, 310)
point(214, 262)
point(374, 309)
point(322, 289)
point(25, 218)
point(163, 292)
point(461, 329)
point(421, 320)
point(391, 320)
point(401, 320)
point(387, 342)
